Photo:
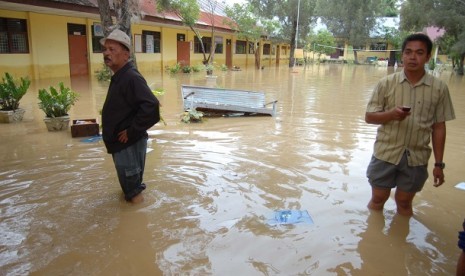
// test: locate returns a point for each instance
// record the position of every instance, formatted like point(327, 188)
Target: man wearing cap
point(130, 109)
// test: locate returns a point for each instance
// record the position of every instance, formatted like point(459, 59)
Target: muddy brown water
point(213, 186)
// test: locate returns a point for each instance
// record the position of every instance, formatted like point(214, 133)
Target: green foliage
point(189, 13)
point(352, 20)
point(394, 36)
point(319, 43)
point(192, 116)
point(103, 74)
point(57, 103)
point(288, 14)
point(244, 23)
point(445, 14)
point(414, 15)
point(187, 10)
point(285, 12)
point(223, 67)
point(389, 8)
point(160, 92)
point(186, 69)
point(175, 68)
point(197, 68)
point(431, 64)
point(11, 91)
point(209, 67)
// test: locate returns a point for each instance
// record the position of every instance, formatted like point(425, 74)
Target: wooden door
point(78, 63)
point(278, 53)
point(184, 57)
point(229, 53)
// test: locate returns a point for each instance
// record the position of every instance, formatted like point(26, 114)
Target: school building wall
point(48, 55)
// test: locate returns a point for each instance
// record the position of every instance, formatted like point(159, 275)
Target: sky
point(231, 2)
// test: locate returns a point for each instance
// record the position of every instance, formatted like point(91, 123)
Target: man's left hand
point(438, 174)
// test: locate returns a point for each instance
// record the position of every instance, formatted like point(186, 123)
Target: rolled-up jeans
point(130, 164)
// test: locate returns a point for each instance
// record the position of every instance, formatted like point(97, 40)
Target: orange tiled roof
point(148, 8)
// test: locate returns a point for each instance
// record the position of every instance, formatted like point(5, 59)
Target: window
point(151, 42)
point(266, 49)
point(180, 37)
point(207, 42)
point(97, 34)
point(13, 36)
point(218, 45)
point(251, 48)
point(240, 47)
point(76, 29)
point(380, 46)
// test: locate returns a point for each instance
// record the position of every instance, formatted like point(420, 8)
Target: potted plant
point(11, 92)
point(56, 103)
point(209, 68)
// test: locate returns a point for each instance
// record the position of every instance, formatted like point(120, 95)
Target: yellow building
point(45, 39)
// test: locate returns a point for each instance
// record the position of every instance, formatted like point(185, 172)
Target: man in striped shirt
point(411, 108)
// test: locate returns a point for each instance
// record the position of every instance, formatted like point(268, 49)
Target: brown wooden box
point(89, 128)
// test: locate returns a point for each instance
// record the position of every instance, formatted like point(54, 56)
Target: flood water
point(213, 186)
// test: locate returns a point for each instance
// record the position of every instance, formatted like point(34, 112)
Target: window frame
point(207, 41)
point(15, 38)
point(219, 45)
point(267, 49)
point(156, 41)
point(241, 47)
point(378, 46)
point(96, 46)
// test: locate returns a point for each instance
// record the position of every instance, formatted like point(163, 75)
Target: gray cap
point(119, 36)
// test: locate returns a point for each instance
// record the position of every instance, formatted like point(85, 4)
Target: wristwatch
point(441, 165)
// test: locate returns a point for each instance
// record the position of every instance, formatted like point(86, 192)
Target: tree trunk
point(460, 69)
point(355, 57)
point(105, 16)
point(293, 44)
point(257, 55)
point(197, 34)
point(123, 17)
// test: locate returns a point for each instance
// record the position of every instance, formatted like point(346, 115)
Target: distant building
point(375, 49)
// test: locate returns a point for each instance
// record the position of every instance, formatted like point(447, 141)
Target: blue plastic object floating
point(290, 217)
point(92, 139)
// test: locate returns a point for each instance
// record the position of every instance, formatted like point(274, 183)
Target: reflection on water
point(211, 188)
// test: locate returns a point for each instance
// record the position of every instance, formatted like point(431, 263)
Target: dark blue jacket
point(130, 104)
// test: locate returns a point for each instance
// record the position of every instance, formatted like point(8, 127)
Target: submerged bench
point(226, 100)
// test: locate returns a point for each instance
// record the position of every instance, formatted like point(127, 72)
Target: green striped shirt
point(430, 102)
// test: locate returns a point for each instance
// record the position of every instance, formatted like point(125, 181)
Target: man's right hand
point(399, 114)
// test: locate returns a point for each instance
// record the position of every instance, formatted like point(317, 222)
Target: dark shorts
point(384, 175)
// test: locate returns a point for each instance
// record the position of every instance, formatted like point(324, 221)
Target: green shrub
point(431, 64)
point(159, 92)
point(192, 116)
point(197, 68)
point(57, 103)
point(103, 74)
point(186, 69)
point(175, 68)
point(11, 91)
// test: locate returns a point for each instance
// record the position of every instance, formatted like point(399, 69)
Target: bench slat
point(226, 100)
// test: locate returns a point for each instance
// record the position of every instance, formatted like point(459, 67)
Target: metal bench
point(226, 100)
